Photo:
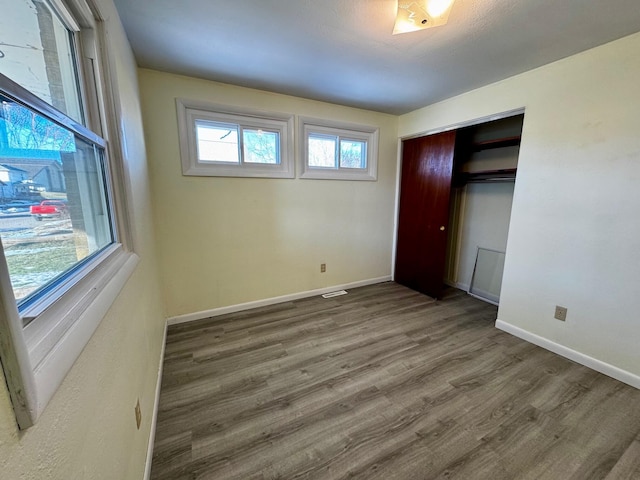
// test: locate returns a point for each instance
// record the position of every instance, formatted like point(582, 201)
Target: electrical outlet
point(138, 415)
point(323, 267)
point(561, 313)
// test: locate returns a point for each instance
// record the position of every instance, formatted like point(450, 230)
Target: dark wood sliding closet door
point(425, 188)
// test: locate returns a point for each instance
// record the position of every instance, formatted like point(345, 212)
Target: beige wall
point(574, 238)
point(88, 429)
point(484, 223)
point(225, 241)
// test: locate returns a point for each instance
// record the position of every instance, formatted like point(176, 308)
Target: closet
point(456, 190)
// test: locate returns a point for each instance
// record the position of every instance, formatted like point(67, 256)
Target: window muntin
point(337, 151)
point(220, 140)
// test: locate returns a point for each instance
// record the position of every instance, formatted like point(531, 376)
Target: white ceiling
point(342, 51)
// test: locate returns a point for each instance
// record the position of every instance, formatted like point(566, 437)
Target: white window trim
point(191, 110)
point(36, 358)
point(347, 131)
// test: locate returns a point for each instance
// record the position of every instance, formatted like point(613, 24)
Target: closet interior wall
point(485, 167)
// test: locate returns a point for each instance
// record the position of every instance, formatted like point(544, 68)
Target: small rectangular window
point(217, 140)
point(331, 151)
point(337, 151)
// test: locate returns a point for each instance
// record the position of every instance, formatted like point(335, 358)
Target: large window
point(337, 151)
point(54, 208)
point(218, 140)
point(63, 260)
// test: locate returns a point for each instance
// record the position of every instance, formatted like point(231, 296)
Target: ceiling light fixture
point(413, 16)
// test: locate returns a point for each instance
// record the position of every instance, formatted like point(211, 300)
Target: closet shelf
point(502, 175)
point(496, 143)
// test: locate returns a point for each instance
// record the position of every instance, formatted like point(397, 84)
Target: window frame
point(37, 306)
point(37, 356)
point(308, 126)
point(191, 111)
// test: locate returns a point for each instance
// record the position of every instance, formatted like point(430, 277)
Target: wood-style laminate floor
point(384, 383)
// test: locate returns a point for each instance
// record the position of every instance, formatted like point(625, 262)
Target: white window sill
point(335, 174)
point(54, 340)
point(82, 311)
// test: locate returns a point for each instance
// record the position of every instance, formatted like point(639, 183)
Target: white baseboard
point(464, 287)
point(485, 299)
point(214, 312)
point(485, 295)
point(154, 417)
point(593, 363)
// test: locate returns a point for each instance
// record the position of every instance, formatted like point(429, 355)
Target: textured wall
point(225, 241)
point(88, 429)
point(574, 234)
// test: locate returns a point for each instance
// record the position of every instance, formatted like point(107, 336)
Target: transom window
point(235, 144)
point(217, 140)
point(336, 151)
point(331, 151)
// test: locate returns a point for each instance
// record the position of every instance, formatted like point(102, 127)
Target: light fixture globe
point(413, 16)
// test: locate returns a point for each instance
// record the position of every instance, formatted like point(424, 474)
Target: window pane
point(353, 154)
point(260, 146)
point(38, 54)
point(322, 151)
point(53, 207)
point(217, 142)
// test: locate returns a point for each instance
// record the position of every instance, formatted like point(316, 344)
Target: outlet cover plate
point(561, 313)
